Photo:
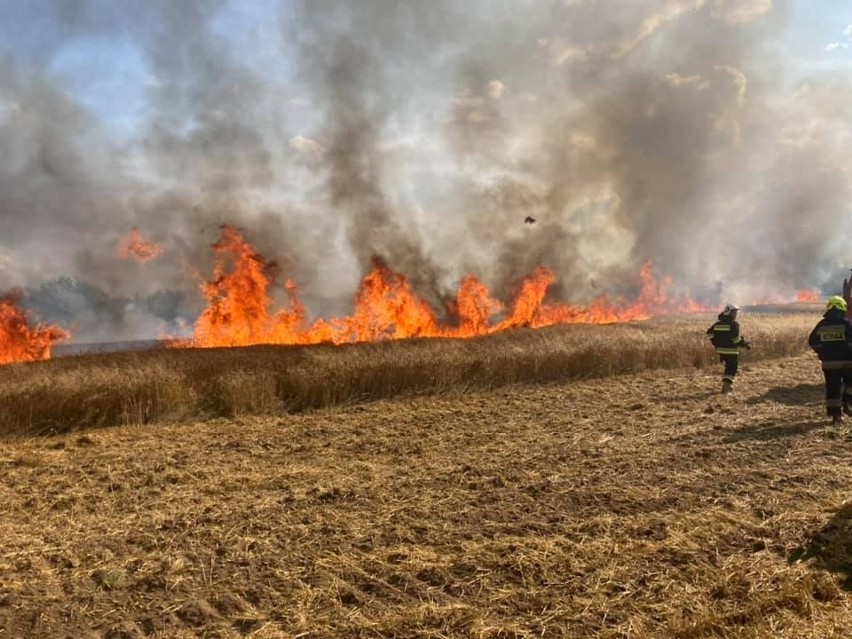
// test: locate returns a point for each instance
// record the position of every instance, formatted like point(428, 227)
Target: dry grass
point(637, 507)
point(68, 394)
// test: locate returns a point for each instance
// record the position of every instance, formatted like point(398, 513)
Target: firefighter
point(726, 337)
point(832, 341)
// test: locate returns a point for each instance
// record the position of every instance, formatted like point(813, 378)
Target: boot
point(727, 386)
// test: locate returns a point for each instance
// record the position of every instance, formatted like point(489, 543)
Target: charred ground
point(638, 506)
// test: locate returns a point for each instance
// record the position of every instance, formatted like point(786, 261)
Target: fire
point(807, 296)
point(134, 246)
point(20, 341)
point(239, 310)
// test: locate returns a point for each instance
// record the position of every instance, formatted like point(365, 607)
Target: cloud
point(496, 89)
point(306, 145)
point(738, 12)
point(474, 108)
point(832, 46)
point(671, 11)
point(675, 79)
point(631, 36)
point(738, 79)
point(561, 54)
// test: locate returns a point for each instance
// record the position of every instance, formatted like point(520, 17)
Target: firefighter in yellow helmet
point(831, 338)
point(726, 337)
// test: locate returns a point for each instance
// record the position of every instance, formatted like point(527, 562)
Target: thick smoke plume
point(333, 131)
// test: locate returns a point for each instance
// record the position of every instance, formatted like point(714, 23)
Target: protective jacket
point(832, 340)
point(725, 336)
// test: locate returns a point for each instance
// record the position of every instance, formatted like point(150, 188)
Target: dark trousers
point(838, 389)
point(731, 363)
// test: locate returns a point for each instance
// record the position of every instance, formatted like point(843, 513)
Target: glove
point(747, 346)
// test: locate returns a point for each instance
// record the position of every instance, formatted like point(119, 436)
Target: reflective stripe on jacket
point(725, 336)
point(831, 339)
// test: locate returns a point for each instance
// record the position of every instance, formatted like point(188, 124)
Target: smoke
point(681, 132)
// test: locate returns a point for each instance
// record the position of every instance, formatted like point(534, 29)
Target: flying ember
point(134, 246)
point(239, 308)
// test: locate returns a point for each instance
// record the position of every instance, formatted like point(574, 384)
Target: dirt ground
point(639, 506)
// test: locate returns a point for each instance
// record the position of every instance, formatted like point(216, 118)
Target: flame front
point(807, 296)
point(21, 342)
point(134, 246)
point(239, 310)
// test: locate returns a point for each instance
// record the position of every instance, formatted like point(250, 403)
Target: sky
point(110, 76)
point(709, 137)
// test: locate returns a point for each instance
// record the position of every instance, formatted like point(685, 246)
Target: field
point(575, 482)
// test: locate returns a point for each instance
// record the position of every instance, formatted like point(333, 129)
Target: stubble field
point(641, 505)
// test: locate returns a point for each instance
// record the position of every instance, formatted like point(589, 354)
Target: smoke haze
point(332, 131)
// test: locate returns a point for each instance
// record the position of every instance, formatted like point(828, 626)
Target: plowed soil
point(637, 506)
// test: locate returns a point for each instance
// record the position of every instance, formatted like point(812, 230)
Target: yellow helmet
point(835, 301)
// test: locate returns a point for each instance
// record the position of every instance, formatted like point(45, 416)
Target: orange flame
point(239, 307)
point(134, 246)
point(19, 341)
point(807, 296)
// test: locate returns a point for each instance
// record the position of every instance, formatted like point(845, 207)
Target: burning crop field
point(519, 478)
point(239, 309)
point(376, 318)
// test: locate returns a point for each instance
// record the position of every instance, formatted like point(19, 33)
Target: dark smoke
point(674, 131)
